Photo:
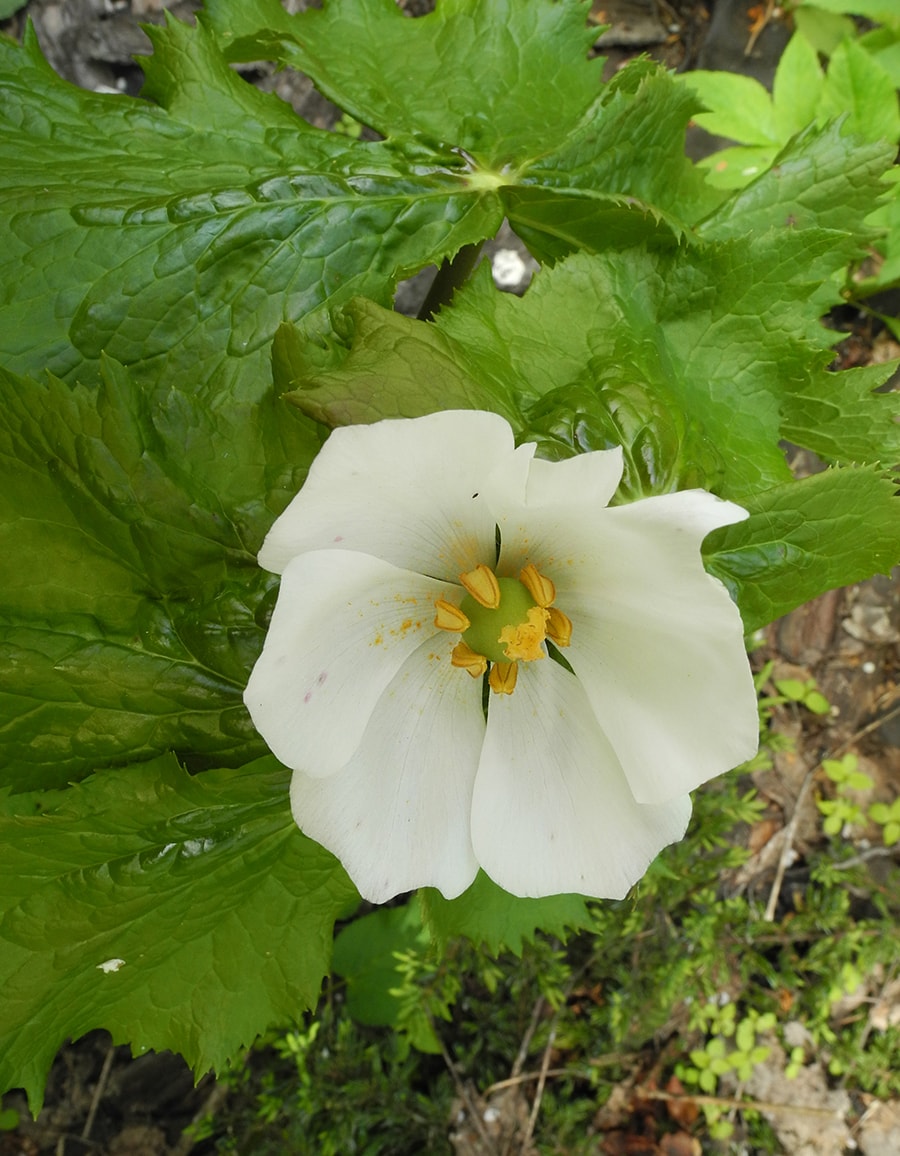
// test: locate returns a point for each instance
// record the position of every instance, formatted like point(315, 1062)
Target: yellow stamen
point(449, 617)
point(538, 586)
point(482, 584)
point(559, 627)
point(502, 679)
point(524, 640)
point(463, 656)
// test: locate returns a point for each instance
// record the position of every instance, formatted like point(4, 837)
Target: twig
point(869, 727)
point(742, 1105)
point(760, 26)
point(612, 1060)
point(788, 845)
point(542, 1081)
point(522, 1053)
point(863, 857)
point(519, 1062)
point(463, 1092)
point(791, 826)
point(216, 1098)
point(99, 1091)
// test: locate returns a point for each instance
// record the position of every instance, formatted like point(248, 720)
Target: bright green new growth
point(858, 87)
point(164, 253)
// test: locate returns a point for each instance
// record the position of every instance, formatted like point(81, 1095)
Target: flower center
point(503, 621)
point(512, 630)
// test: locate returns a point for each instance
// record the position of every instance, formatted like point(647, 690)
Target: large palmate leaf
point(175, 232)
point(130, 599)
point(177, 235)
point(725, 332)
point(178, 912)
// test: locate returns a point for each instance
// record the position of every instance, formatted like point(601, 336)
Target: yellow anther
point(482, 584)
point(540, 588)
point(502, 679)
point(524, 640)
point(463, 656)
point(449, 617)
point(559, 627)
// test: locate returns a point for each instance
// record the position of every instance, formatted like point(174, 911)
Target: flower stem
point(448, 279)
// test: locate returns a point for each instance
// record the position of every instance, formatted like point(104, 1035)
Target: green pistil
point(484, 633)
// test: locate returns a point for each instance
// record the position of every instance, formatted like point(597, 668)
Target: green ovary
point(518, 617)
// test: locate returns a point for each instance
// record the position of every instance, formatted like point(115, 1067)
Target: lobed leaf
point(176, 912)
point(487, 915)
point(807, 537)
point(177, 236)
point(131, 604)
point(726, 334)
point(514, 77)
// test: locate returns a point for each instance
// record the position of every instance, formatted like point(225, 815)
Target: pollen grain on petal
point(482, 584)
point(503, 676)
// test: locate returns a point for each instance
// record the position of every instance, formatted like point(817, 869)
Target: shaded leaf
point(487, 915)
point(176, 912)
point(807, 537)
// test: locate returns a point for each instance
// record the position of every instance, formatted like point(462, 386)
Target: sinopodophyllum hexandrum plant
point(165, 255)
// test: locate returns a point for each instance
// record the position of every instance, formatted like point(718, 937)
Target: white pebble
point(508, 268)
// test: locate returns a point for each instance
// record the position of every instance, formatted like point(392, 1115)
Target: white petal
point(658, 644)
point(551, 811)
point(397, 816)
point(407, 491)
point(343, 625)
point(541, 507)
point(589, 478)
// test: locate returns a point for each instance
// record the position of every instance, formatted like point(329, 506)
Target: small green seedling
point(888, 817)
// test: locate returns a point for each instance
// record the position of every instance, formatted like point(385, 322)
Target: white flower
point(370, 683)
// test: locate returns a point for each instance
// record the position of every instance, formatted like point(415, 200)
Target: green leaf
point(883, 45)
point(733, 168)
point(378, 364)
point(487, 915)
point(723, 335)
point(856, 91)
point(365, 956)
point(176, 912)
point(73, 697)
point(514, 77)
point(857, 85)
point(740, 108)
point(177, 232)
point(131, 605)
point(177, 236)
point(811, 185)
point(619, 178)
point(661, 451)
point(828, 530)
point(824, 30)
point(797, 88)
point(843, 418)
point(882, 11)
